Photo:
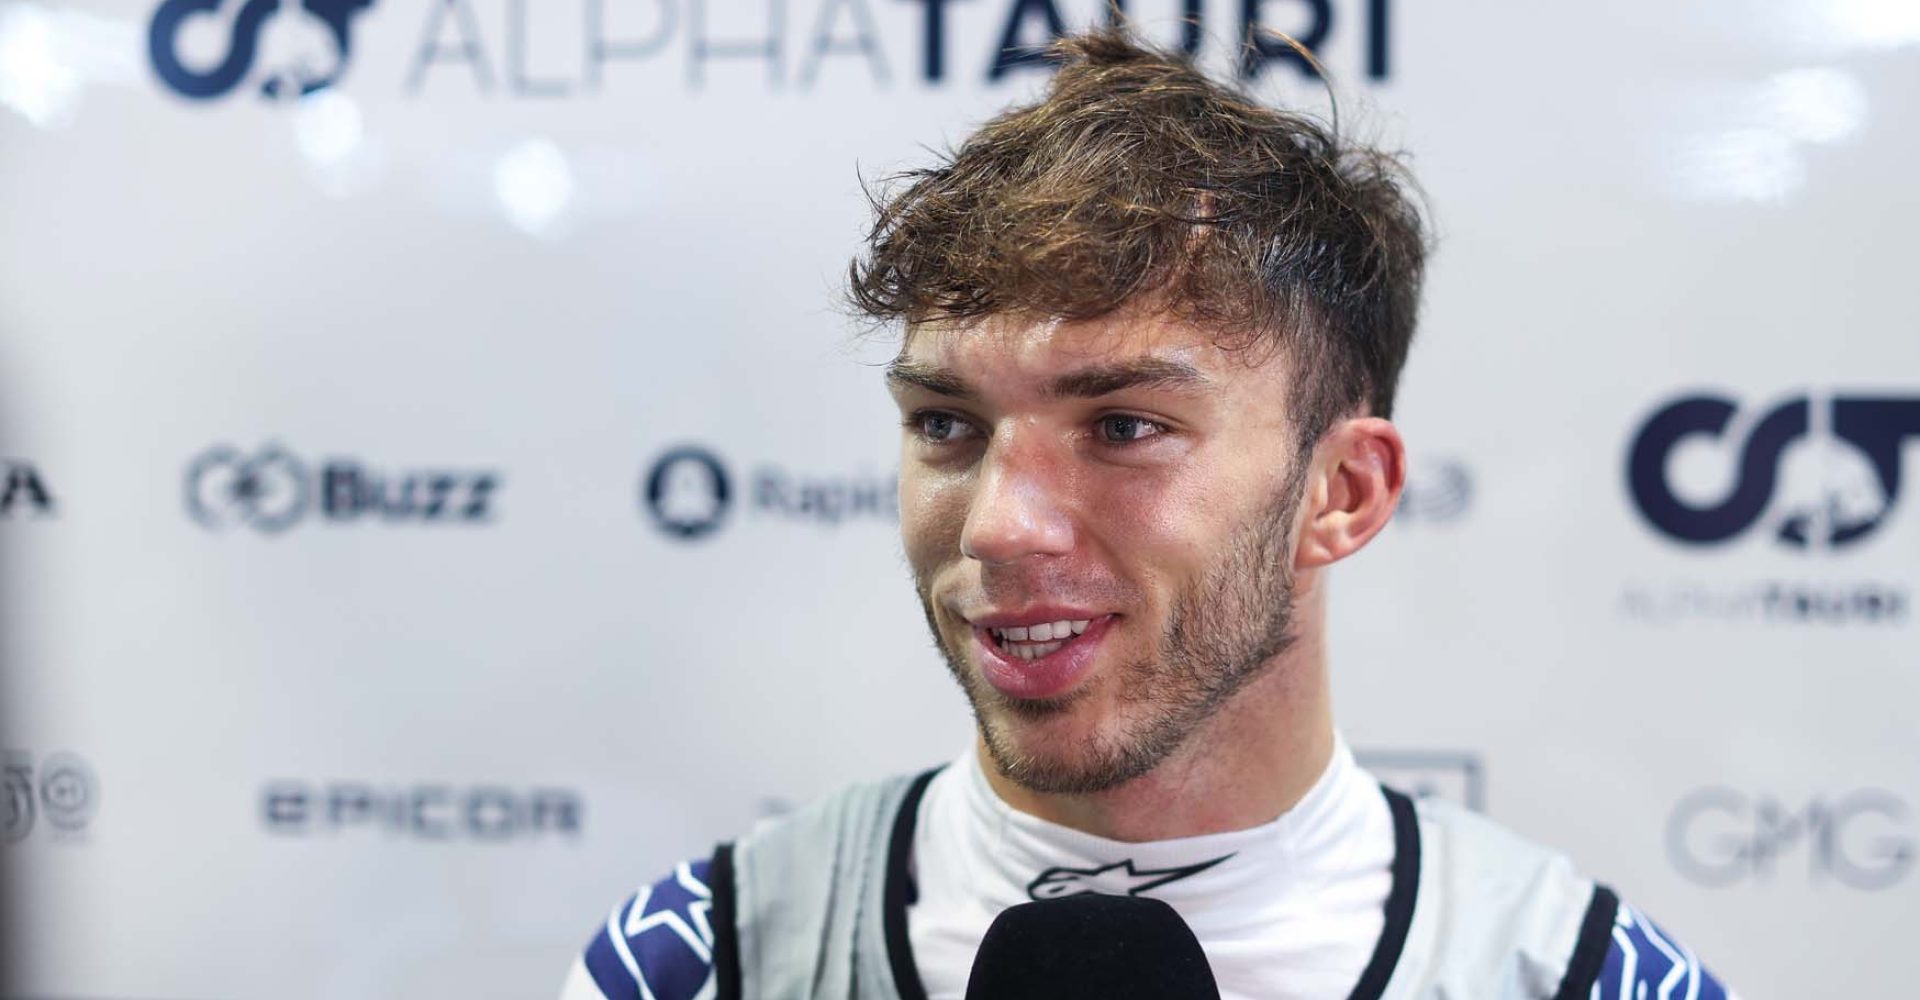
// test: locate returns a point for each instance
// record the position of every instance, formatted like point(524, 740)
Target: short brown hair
point(1137, 179)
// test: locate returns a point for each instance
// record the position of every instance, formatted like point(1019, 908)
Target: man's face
point(1124, 476)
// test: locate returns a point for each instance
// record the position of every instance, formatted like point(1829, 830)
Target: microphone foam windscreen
point(1091, 946)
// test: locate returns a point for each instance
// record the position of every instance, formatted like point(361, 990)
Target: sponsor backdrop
point(441, 492)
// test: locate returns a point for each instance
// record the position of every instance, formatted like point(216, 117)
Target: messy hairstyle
point(1139, 181)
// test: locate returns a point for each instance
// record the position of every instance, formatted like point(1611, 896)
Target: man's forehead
point(1005, 346)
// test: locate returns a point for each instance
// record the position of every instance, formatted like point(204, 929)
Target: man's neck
point(1246, 766)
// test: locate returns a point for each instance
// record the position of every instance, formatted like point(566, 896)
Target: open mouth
point(1030, 642)
point(1040, 660)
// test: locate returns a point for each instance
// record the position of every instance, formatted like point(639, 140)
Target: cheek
point(1160, 529)
point(933, 510)
point(1151, 510)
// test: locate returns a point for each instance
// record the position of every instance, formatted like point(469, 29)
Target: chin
point(1064, 746)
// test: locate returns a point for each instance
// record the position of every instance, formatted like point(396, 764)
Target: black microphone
point(1094, 947)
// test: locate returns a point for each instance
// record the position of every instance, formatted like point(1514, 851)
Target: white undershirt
point(1292, 913)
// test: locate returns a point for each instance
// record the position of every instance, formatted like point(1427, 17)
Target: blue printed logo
point(301, 45)
point(1830, 485)
point(688, 491)
point(659, 945)
point(1646, 963)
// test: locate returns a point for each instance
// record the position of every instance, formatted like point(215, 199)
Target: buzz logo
point(271, 491)
point(300, 46)
point(1823, 474)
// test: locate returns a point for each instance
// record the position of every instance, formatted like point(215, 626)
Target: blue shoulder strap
point(1621, 955)
point(658, 944)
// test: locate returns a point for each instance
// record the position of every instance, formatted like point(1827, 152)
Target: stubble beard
point(1223, 632)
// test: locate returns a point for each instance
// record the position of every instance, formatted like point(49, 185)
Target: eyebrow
point(1087, 383)
point(904, 374)
point(1140, 373)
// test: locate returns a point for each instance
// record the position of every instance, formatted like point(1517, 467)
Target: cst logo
point(271, 491)
point(301, 45)
point(1819, 475)
point(1720, 837)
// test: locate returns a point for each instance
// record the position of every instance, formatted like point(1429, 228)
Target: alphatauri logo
point(1820, 474)
point(299, 46)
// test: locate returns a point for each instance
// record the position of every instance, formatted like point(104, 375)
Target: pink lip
point(1045, 677)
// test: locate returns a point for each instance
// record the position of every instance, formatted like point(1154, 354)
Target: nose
point(1018, 507)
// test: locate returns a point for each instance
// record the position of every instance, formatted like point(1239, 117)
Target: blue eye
point(1121, 428)
point(939, 427)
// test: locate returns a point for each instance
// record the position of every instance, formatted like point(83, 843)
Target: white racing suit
point(815, 907)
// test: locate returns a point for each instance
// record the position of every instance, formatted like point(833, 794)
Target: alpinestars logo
point(302, 45)
point(1121, 878)
point(1836, 466)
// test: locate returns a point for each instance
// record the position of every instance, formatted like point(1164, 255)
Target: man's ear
point(1353, 486)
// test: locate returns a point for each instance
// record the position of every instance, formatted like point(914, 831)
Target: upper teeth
point(1043, 632)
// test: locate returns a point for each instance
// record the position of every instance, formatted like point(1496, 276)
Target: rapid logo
point(1821, 486)
point(688, 493)
point(1118, 879)
point(301, 46)
point(271, 491)
point(22, 491)
point(1721, 837)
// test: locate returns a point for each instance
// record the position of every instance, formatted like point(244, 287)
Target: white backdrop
point(352, 647)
